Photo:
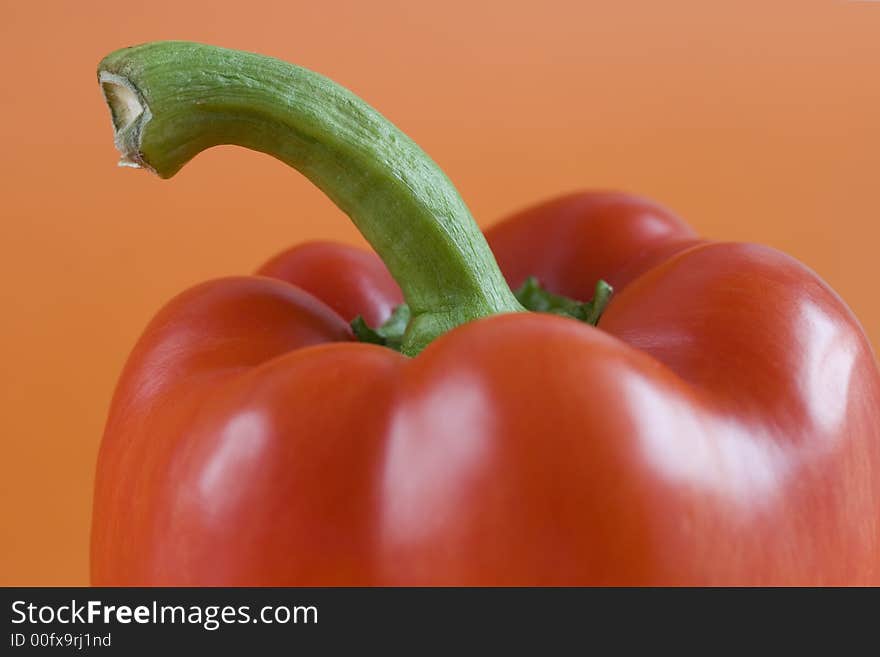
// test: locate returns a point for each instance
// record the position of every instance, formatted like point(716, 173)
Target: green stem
point(171, 100)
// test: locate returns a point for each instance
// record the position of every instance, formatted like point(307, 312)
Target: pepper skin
point(721, 427)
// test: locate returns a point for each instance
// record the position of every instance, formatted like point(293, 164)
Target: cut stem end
point(129, 113)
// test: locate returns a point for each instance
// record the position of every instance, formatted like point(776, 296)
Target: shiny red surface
point(722, 426)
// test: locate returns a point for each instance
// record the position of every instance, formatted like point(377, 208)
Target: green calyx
point(530, 294)
point(537, 299)
point(390, 334)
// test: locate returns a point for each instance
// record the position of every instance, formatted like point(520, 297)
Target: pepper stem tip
point(129, 113)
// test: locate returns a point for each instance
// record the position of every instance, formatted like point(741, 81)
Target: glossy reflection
point(236, 457)
point(830, 352)
point(436, 444)
point(693, 446)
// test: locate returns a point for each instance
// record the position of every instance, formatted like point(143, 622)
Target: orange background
point(756, 121)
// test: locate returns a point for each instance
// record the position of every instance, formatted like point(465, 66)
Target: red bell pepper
point(721, 426)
